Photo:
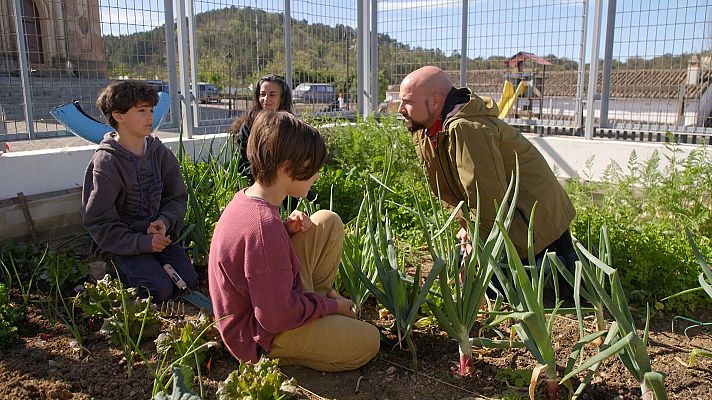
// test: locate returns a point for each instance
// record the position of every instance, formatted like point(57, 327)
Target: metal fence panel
point(662, 66)
point(414, 34)
point(534, 41)
point(236, 43)
point(324, 52)
point(538, 42)
point(659, 57)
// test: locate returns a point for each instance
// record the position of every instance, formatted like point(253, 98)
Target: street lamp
point(228, 58)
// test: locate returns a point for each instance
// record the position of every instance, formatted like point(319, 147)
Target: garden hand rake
point(191, 296)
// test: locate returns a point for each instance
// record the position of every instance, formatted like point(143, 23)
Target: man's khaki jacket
point(477, 148)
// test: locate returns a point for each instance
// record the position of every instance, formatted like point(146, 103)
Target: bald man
point(462, 143)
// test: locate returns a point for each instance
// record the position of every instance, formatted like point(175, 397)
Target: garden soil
point(44, 364)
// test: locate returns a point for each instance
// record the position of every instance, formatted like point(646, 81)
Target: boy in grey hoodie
point(134, 199)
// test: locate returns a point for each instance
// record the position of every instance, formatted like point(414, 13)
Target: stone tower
point(62, 38)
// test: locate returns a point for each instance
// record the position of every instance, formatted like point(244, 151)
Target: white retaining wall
point(36, 173)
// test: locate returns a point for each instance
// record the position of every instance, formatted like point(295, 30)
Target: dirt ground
point(43, 365)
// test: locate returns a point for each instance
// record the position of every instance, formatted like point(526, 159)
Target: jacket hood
point(110, 145)
point(478, 107)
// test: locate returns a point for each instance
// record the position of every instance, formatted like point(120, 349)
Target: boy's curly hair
point(120, 96)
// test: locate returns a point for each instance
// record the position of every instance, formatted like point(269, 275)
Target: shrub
point(646, 210)
point(9, 316)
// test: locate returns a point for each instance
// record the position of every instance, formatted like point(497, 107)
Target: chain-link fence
point(531, 56)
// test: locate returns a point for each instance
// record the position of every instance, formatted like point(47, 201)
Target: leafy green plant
point(9, 316)
point(188, 334)
point(181, 389)
point(128, 319)
point(645, 210)
point(258, 381)
point(63, 270)
point(622, 338)
point(187, 344)
point(355, 151)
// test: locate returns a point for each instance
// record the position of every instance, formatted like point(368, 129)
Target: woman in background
point(271, 93)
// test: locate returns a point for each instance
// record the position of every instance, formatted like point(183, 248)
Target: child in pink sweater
point(271, 281)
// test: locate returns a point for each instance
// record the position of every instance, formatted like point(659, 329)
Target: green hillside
point(255, 38)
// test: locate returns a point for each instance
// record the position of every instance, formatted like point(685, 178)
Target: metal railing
point(653, 72)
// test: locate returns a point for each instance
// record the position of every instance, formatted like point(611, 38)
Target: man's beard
point(414, 126)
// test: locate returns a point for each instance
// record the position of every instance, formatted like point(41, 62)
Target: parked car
point(314, 93)
point(208, 93)
point(160, 86)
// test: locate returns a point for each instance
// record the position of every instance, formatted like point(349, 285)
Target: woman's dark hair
point(279, 139)
point(285, 102)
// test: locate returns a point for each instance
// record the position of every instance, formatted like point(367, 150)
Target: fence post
point(374, 55)
point(192, 51)
point(362, 57)
point(24, 69)
point(593, 69)
point(3, 128)
point(463, 45)
point(186, 101)
point(581, 67)
point(607, 63)
point(288, 42)
point(171, 59)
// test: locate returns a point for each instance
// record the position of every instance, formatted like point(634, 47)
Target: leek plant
point(211, 184)
point(623, 338)
point(525, 292)
point(582, 287)
point(470, 274)
point(358, 255)
point(401, 298)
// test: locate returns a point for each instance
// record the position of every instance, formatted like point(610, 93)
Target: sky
point(644, 28)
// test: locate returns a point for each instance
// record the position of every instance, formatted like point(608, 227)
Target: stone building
point(62, 38)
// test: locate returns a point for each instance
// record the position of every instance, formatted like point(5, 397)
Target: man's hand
point(157, 226)
point(297, 221)
point(345, 306)
point(159, 242)
point(465, 243)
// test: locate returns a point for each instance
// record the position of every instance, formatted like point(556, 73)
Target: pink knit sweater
point(253, 274)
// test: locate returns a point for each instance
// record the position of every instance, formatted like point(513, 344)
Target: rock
point(391, 370)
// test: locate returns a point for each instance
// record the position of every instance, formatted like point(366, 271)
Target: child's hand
point(297, 221)
point(465, 243)
point(159, 242)
point(157, 226)
point(345, 306)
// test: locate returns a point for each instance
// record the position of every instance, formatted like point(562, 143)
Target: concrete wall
point(568, 156)
point(60, 173)
point(51, 181)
